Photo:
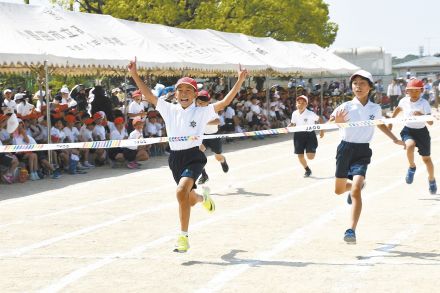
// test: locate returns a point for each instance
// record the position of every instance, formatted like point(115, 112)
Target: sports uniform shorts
point(214, 144)
point(187, 163)
point(305, 141)
point(352, 159)
point(420, 136)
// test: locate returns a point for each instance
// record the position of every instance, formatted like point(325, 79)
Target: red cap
point(97, 116)
point(414, 84)
point(89, 121)
point(119, 120)
point(137, 120)
point(70, 118)
point(204, 93)
point(3, 117)
point(189, 81)
point(136, 93)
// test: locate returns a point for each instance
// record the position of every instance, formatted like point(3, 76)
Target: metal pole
point(49, 126)
point(267, 97)
point(322, 96)
point(126, 98)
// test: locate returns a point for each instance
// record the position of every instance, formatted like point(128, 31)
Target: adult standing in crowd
point(393, 92)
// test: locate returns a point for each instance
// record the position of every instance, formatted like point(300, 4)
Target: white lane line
point(110, 200)
point(131, 216)
point(84, 271)
point(84, 185)
point(299, 235)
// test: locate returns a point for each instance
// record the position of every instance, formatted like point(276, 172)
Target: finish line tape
point(152, 140)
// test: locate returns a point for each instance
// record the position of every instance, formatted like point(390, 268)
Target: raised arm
point(146, 92)
point(221, 105)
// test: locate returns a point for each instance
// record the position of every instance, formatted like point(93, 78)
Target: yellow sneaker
point(208, 203)
point(182, 244)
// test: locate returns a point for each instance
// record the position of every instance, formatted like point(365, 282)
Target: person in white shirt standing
point(393, 92)
point(186, 161)
point(8, 102)
point(353, 153)
point(305, 141)
point(416, 134)
point(214, 144)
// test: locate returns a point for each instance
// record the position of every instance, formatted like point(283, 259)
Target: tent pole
point(125, 98)
point(322, 97)
point(49, 126)
point(267, 98)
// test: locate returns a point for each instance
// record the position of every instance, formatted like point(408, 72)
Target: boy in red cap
point(305, 141)
point(353, 153)
point(416, 134)
point(186, 161)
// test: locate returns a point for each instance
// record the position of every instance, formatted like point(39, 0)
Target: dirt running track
point(113, 230)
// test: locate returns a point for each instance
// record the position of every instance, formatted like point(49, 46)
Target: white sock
point(184, 233)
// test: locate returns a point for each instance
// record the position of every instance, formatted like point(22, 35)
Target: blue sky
point(399, 26)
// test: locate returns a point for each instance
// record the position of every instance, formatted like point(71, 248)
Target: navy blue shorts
point(352, 159)
point(305, 141)
point(187, 163)
point(214, 144)
point(420, 136)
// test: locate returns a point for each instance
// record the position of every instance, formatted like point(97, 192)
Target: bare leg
point(429, 167)
point(356, 209)
point(342, 185)
point(183, 197)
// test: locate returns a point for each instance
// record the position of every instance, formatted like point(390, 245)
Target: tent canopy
point(75, 43)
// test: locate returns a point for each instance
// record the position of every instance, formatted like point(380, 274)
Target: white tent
point(80, 43)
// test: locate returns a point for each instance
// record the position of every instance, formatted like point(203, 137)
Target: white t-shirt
point(358, 112)
point(99, 132)
point(409, 108)
point(116, 135)
point(307, 117)
point(135, 108)
point(229, 113)
point(135, 134)
point(85, 134)
point(24, 109)
point(58, 133)
point(19, 139)
point(71, 134)
point(10, 104)
point(185, 122)
point(256, 109)
point(211, 129)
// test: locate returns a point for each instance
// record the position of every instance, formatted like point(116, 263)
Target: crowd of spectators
point(94, 114)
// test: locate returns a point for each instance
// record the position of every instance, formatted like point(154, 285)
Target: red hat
point(204, 93)
point(97, 116)
point(136, 93)
point(189, 81)
point(303, 97)
point(89, 121)
point(3, 117)
point(137, 120)
point(119, 120)
point(414, 84)
point(70, 118)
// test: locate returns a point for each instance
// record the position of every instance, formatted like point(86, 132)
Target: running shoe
point(208, 203)
point(307, 173)
point(410, 175)
point(225, 166)
point(203, 179)
point(432, 187)
point(182, 244)
point(350, 236)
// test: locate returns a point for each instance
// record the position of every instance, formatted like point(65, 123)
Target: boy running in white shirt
point(186, 161)
point(214, 144)
point(354, 153)
point(416, 134)
point(305, 141)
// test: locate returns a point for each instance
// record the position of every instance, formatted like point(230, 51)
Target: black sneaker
point(203, 179)
point(308, 173)
point(350, 236)
point(225, 166)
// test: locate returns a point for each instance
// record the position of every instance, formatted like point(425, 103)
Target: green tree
point(289, 20)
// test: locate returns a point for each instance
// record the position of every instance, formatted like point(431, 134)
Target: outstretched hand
point(132, 66)
point(341, 116)
point(400, 142)
point(242, 73)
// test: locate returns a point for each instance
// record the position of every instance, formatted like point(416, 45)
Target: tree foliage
point(288, 20)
